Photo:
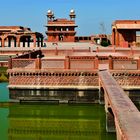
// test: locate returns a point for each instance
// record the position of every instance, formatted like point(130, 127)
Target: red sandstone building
point(124, 32)
point(83, 76)
point(97, 39)
point(18, 36)
point(61, 30)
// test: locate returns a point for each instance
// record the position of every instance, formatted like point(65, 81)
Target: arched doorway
point(39, 41)
point(25, 41)
point(10, 41)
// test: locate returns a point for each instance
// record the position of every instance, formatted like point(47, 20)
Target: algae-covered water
point(4, 93)
point(52, 122)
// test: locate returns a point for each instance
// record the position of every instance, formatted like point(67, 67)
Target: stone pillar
point(110, 124)
point(67, 62)
point(133, 34)
point(10, 63)
point(38, 42)
point(113, 35)
point(117, 38)
point(34, 38)
point(41, 41)
point(138, 64)
point(2, 42)
point(15, 42)
point(101, 94)
point(9, 42)
point(96, 62)
point(38, 62)
point(56, 51)
point(97, 49)
point(18, 41)
point(24, 44)
point(110, 62)
point(28, 43)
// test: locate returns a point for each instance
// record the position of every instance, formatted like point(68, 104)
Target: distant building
point(124, 33)
point(82, 38)
point(61, 30)
point(98, 39)
point(18, 36)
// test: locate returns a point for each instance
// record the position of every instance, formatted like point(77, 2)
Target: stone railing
point(23, 63)
point(63, 51)
point(68, 62)
point(84, 62)
point(53, 63)
point(123, 63)
point(75, 63)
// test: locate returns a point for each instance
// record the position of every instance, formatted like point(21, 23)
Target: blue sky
point(90, 13)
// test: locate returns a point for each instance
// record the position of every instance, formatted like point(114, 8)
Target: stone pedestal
point(110, 62)
point(110, 124)
point(101, 96)
point(96, 61)
point(67, 62)
point(38, 63)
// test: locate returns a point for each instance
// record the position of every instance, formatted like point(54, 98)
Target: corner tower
point(60, 29)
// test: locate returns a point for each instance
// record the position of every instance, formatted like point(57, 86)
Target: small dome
point(72, 11)
point(49, 11)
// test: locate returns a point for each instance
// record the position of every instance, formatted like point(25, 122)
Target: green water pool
point(52, 122)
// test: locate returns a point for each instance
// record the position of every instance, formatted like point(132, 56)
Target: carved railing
point(83, 62)
point(125, 64)
point(53, 63)
point(68, 62)
point(23, 63)
point(75, 63)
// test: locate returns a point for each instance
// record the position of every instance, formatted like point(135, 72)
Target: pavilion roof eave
point(23, 33)
point(127, 26)
point(36, 33)
point(67, 25)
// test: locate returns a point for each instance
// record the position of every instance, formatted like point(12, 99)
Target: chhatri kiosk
point(61, 29)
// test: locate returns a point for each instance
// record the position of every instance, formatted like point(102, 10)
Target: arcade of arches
point(17, 36)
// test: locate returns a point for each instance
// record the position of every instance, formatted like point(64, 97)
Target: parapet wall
point(54, 78)
point(68, 62)
point(68, 86)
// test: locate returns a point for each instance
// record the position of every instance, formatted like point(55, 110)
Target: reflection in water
point(51, 122)
point(57, 122)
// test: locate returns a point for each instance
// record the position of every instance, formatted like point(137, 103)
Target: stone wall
point(68, 85)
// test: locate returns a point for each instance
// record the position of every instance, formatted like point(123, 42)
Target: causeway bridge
point(121, 113)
